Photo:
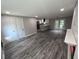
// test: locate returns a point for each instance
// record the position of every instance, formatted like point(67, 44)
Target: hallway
point(42, 45)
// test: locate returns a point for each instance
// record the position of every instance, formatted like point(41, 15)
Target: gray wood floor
point(43, 45)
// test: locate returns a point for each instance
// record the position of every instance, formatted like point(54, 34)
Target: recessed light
point(62, 9)
point(36, 16)
point(7, 12)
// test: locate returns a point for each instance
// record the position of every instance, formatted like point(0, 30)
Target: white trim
point(31, 34)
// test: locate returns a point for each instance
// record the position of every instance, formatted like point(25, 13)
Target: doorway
point(38, 25)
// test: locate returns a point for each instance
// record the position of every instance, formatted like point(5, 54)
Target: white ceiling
point(40, 8)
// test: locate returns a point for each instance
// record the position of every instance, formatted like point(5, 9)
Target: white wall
point(8, 29)
point(75, 29)
point(30, 26)
point(14, 27)
point(75, 23)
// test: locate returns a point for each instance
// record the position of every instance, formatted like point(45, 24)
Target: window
point(56, 24)
point(59, 24)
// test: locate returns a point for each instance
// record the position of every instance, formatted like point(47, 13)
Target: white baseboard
point(31, 34)
point(6, 42)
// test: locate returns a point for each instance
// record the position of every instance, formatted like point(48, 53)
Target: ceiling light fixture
point(62, 9)
point(36, 16)
point(7, 12)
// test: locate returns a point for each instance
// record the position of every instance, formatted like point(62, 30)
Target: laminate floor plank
point(43, 45)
